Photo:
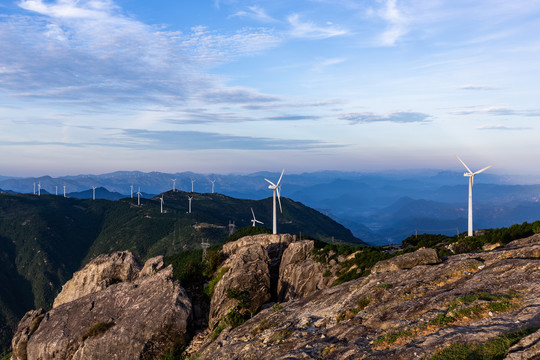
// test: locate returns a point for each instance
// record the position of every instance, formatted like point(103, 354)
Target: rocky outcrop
point(405, 313)
point(254, 270)
point(299, 274)
point(528, 348)
point(98, 274)
point(139, 319)
point(408, 261)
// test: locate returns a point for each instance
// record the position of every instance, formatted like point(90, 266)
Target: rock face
point(408, 261)
point(299, 274)
point(254, 269)
point(98, 274)
point(140, 319)
point(405, 313)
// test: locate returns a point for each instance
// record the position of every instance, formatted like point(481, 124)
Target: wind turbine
point(162, 204)
point(254, 219)
point(192, 181)
point(173, 184)
point(39, 188)
point(190, 198)
point(93, 193)
point(131, 188)
point(213, 183)
point(64, 190)
point(471, 174)
point(275, 188)
point(34, 188)
point(56, 189)
point(139, 197)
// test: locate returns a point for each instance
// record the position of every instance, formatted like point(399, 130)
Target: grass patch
point(281, 335)
point(263, 325)
point(384, 286)
point(6, 356)
point(494, 349)
point(209, 290)
point(242, 296)
point(277, 307)
point(232, 319)
point(350, 313)
point(391, 338)
point(97, 329)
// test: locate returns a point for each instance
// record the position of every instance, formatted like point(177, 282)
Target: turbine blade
point(260, 222)
point(466, 167)
point(484, 169)
point(280, 177)
point(271, 183)
point(253, 213)
point(279, 200)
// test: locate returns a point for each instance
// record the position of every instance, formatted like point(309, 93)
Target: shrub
point(209, 290)
point(242, 297)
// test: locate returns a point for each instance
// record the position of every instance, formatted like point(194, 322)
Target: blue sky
point(92, 86)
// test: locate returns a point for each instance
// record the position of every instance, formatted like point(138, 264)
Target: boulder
point(98, 274)
point(129, 320)
point(151, 266)
point(408, 261)
point(527, 348)
point(27, 326)
point(299, 274)
point(249, 272)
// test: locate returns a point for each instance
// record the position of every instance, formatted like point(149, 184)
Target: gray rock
point(528, 348)
point(98, 274)
point(408, 261)
point(151, 266)
point(129, 320)
point(299, 274)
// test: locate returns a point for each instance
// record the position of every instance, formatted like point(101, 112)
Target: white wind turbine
point(470, 175)
point(93, 193)
point(161, 204)
point(139, 197)
point(192, 181)
point(275, 188)
point(64, 190)
point(56, 189)
point(34, 188)
point(39, 188)
point(254, 219)
point(173, 185)
point(190, 198)
point(131, 188)
point(213, 183)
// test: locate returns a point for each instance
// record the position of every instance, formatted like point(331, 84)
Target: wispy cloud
point(256, 13)
point(497, 111)
point(237, 95)
point(478, 87)
point(403, 117)
point(501, 127)
point(396, 23)
point(309, 30)
point(321, 65)
point(196, 140)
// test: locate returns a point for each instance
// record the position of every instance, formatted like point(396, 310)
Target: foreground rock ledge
point(129, 320)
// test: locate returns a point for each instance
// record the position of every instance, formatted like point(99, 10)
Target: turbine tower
point(34, 188)
point(39, 188)
point(93, 193)
point(162, 204)
point(275, 188)
point(139, 197)
point(131, 187)
point(173, 185)
point(192, 181)
point(254, 219)
point(56, 189)
point(470, 175)
point(64, 190)
point(213, 183)
point(190, 198)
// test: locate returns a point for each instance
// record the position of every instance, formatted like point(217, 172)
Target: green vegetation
point(494, 349)
point(209, 290)
point(174, 353)
point(7, 356)
point(232, 319)
point(97, 329)
point(277, 307)
point(350, 313)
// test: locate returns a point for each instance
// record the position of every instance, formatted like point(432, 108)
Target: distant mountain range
point(380, 208)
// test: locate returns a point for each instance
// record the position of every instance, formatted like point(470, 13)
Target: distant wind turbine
point(139, 197)
point(131, 188)
point(162, 204)
point(213, 183)
point(64, 190)
point(192, 181)
point(34, 188)
point(93, 193)
point(275, 188)
point(470, 175)
point(254, 219)
point(190, 198)
point(56, 189)
point(173, 185)
point(39, 189)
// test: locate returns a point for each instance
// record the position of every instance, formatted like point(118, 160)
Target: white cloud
point(396, 23)
point(256, 13)
point(396, 117)
point(478, 87)
point(310, 30)
point(501, 127)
